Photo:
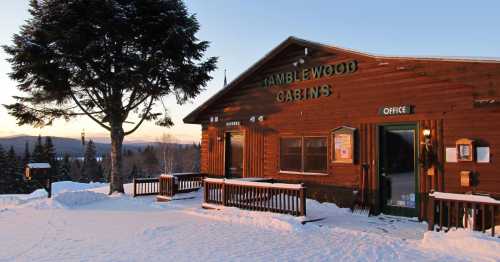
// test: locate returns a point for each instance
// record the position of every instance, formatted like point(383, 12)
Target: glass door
point(234, 154)
point(397, 169)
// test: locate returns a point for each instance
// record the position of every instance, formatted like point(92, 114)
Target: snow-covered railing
point(259, 196)
point(476, 212)
point(146, 186)
point(172, 184)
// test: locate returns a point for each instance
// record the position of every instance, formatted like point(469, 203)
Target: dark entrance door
point(234, 154)
point(397, 169)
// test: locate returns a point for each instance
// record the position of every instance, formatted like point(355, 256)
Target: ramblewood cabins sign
point(310, 73)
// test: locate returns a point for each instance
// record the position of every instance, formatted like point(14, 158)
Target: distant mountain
point(63, 145)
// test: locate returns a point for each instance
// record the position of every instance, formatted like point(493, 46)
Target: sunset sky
point(241, 32)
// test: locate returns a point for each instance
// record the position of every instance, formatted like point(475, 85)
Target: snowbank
point(463, 243)
point(58, 187)
point(73, 199)
point(186, 232)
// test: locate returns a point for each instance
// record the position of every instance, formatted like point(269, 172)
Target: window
point(304, 154)
point(291, 154)
point(315, 158)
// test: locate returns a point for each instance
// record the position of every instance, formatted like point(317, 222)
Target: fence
point(460, 210)
point(179, 183)
point(146, 186)
point(259, 196)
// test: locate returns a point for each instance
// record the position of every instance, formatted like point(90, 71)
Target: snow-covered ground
point(82, 223)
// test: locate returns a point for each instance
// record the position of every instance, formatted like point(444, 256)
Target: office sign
point(395, 110)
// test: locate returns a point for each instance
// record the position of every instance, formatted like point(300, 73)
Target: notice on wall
point(343, 148)
point(451, 155)
point(483, 154)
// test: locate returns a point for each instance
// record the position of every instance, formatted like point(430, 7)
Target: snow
point(465, 197)
point(252, 183)
point(82, 223)
point(38, 165)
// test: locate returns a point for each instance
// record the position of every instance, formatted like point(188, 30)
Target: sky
point(242, 32)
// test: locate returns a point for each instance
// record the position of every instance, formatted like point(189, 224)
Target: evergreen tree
point(12, 172)
point(50, 156)
point(135, 172)
point(109, 60)
point(27, 154)
point(150, 160)
point(90, 168)
point(4, 183)
point(65, 169)
point(38, 155)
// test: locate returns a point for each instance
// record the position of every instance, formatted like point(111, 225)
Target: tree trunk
point(116, 183)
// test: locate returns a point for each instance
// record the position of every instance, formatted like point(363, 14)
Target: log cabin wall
point(442, 93)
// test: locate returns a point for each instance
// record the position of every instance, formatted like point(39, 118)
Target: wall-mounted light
point(261, 118)
point(426, 133)
point(252, 119)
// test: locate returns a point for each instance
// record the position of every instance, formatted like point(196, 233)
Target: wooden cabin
point(387, 130)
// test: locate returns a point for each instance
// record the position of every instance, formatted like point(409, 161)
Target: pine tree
point(38, 155)
point(50, 156)
point(27, 154)
point(65, 169)
point(66, 55)
point(4, 187)
point(150, 161)
point(12, 172)
point(90, 166)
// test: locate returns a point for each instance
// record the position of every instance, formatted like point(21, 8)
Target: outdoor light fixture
point(261, 118)
point(428, 157)
point(427, 133)
point(252, 119)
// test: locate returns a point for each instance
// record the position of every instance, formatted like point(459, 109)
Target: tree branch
point(87, 113)
point(148, 110)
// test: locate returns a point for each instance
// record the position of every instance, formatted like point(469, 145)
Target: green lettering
point(314, 92)
point(288, 97)
point(340, 68)
point(305, 74)
point(326, 90)
point(352, 66)
point(280, 97)
point(270, 81)
point(289, 77)
point(328, 70)
point(296, 76)
point(280, 79)
point(297, 96)
point(317, 71)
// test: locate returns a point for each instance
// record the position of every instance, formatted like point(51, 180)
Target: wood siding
point(442, 93)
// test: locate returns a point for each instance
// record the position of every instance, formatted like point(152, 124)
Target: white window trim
point(302, 173)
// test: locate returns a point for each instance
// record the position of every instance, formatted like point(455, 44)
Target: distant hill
point(63, 145)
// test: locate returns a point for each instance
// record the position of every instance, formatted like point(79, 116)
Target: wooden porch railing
point(259, 196)
point(146, 186)
point(461, 210)
point(172, 184)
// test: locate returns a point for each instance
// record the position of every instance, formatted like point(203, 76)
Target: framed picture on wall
point(465, 150)
point(343, 144)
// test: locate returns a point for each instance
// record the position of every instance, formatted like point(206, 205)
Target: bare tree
point(167, 146)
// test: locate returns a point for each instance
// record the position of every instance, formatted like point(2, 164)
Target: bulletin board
point(343, 145)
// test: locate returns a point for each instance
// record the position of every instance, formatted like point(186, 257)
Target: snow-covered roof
point(38, 165)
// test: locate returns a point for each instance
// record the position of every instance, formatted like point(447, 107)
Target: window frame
point(302, 155)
